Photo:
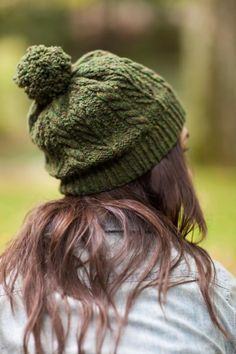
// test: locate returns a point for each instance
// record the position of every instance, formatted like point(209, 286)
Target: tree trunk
point(209, 73)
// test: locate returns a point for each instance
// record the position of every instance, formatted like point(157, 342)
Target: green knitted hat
point(102, 121)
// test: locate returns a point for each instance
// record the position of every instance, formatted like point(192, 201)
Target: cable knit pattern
point(102, 125)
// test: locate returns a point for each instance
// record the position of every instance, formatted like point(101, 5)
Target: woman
point(113, 266)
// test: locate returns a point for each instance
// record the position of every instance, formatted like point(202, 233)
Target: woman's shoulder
point(226, 285)
point(185, 316)
point(188, 268)
point(186, 276)
point(224, 278)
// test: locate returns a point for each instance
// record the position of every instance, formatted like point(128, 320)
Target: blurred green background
point(191, 43)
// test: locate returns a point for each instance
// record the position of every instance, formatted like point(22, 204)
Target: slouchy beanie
point(101, 122)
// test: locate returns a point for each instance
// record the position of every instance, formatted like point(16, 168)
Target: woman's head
point(112, 132)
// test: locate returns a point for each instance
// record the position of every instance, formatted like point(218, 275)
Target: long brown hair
point(63, 247)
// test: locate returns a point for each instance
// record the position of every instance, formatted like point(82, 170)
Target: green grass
point(24, 185)
point(216, 189)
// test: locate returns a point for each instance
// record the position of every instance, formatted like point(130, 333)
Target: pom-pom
point(44, 72)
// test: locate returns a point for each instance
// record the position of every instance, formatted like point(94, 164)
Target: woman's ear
point(184, 137)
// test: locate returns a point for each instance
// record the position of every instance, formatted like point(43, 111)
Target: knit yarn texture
point(101, 122)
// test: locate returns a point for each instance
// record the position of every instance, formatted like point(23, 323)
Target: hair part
point(63, 247)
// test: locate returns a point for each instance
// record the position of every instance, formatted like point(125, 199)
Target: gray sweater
point(185, 327)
